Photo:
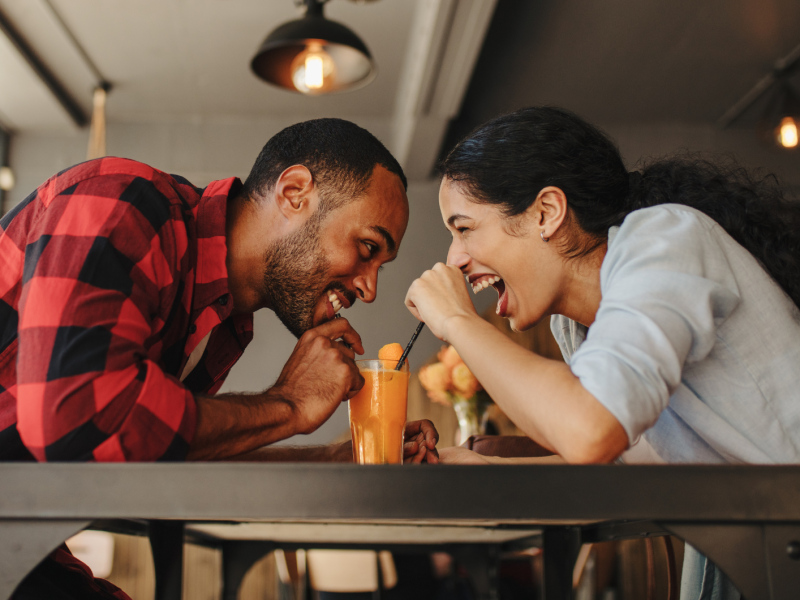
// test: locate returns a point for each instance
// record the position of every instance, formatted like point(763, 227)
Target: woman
point(673, 294)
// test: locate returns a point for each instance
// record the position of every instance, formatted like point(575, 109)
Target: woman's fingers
point(437, 295)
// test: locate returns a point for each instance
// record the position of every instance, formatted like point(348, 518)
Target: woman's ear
point(295, 192)
point(550, 211)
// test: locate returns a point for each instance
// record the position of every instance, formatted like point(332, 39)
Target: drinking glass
point(378, 413)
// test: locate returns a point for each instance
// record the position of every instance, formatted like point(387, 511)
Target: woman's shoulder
point(676, 218)
point(670, 238)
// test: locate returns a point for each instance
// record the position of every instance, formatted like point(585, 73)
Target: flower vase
point(472, 415)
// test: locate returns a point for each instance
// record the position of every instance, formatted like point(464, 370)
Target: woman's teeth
point(334, 300)
point(482, 285)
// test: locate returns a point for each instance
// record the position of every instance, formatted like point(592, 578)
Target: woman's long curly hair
point(507, 161)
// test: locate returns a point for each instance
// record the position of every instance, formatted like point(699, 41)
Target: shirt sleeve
point(100, 268)
point(666, 287)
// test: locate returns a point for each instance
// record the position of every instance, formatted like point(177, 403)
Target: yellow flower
point(449, 357)
point(464, 381)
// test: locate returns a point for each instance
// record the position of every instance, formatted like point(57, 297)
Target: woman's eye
point(462, 229)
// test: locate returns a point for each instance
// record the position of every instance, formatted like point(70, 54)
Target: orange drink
point(378, 413)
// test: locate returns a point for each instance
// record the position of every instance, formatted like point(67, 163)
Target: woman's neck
point(581, 297)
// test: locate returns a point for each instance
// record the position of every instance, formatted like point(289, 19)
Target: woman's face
point(506, 254)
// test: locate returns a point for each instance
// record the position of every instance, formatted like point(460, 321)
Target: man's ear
point(295, 192)
point(550, 211)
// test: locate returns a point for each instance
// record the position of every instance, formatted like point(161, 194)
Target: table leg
point(480, 563)
point(24, 543)
point(762, 561)
point(166, 542)
point(560, 547)
point(237, 559)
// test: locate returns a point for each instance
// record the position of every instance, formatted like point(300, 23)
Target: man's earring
point(544, 239)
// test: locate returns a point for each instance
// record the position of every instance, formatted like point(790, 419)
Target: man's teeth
point(334, 300)
point(477, 287)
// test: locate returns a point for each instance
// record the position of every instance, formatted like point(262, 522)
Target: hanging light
point(786, 133)
point(781, 121)
point(7, 179)
point(314, 55)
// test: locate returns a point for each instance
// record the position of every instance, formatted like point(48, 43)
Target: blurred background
point(178, 93)
point(658, 76)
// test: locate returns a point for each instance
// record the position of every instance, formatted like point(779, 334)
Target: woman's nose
point(457, 256)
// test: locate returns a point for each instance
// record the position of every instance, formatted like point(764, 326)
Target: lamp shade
point(314, 55)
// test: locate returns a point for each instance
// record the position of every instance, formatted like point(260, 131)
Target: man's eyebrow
point(390, 243)
point(454, 218)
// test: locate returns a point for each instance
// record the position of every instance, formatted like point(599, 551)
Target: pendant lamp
point(314, 55)
point(782, 119)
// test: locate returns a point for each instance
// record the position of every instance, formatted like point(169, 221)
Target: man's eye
point(372, 248)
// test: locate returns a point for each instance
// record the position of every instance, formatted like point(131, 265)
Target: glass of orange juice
point(378, 413)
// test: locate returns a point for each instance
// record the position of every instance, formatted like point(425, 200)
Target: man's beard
point(294, 276)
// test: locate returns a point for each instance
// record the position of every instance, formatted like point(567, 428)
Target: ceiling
point(623, 62)
point(188, 60)
point(627, 61)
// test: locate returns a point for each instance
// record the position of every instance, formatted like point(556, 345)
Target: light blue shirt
point(694, 349)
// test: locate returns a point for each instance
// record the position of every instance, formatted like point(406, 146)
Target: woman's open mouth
point(481, 282)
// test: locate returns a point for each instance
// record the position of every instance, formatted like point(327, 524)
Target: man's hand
point(320, 374)
point(421, 438)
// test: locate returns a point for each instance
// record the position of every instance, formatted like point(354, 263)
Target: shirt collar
point(211, 271)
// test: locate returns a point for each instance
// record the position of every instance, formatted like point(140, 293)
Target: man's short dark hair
point(340, 155)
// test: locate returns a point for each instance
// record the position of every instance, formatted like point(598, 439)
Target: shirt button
point(223, 300)
point(193, 329)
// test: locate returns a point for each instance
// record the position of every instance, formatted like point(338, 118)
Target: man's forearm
point(331, 453)
point(234, 424)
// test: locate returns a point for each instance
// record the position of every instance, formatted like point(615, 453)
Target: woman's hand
point(457, 455)
point(439, 295)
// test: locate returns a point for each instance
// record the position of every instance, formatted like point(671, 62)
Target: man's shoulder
point(121, 178)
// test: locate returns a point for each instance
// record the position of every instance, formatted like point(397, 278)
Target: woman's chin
point(520, 323)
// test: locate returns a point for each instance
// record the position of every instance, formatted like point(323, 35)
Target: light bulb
point(312, 69)
point(6, 179)
point(313, 72)
point(787, 133)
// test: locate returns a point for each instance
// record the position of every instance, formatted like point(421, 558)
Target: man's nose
point(367, 286)
point(457, 255)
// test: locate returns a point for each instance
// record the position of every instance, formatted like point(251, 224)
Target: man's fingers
point(356, 383)
point(341, 328)
point(410, 448)
point(345, 350)
point(423, 430)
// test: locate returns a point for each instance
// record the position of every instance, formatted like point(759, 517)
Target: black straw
point(408, 347)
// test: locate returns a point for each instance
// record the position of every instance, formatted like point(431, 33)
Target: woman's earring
point(544, 239)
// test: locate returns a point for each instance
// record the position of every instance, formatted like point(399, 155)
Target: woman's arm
point(541, 396)
point(457, 455)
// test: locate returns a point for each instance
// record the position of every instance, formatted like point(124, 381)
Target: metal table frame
point(746, 519)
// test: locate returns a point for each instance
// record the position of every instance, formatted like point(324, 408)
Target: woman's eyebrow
point(454, 218)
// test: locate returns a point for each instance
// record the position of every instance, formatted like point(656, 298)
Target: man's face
point(333, 259)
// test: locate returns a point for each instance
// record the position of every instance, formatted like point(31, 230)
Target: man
point(127, 295)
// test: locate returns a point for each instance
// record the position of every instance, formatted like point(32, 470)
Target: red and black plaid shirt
point(112, 273)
